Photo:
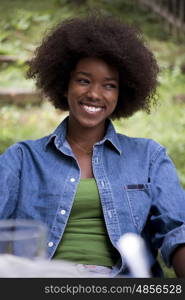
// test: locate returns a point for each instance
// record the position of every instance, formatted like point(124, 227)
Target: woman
point(89, 184)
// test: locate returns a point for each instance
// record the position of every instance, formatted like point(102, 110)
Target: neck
point(84, 134)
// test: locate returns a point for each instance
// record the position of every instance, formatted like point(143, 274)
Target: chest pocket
point(139, 198)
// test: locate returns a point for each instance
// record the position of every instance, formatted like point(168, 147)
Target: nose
point(94, 92)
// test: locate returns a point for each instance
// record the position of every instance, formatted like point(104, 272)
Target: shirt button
point(50, 244)
point(72, 179)
point(63, 212)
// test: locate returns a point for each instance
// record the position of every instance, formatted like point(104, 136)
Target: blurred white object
point(25, 238)
point(12, 266)
point(132, 248)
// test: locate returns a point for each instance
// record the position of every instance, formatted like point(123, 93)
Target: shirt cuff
point(172, 240)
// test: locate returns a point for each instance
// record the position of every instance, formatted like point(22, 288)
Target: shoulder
point(38, 144)
point(16, 150)
point(143, 146)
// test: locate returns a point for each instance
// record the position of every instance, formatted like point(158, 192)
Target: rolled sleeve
point(173, 239)
point(168, 206)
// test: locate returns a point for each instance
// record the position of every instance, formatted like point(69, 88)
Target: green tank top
point(85, 239)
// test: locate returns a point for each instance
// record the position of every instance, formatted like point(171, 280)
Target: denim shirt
point(138, 186)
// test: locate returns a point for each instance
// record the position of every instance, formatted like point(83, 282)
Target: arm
point(9, 181)
point(168, 213)
point(178, 261)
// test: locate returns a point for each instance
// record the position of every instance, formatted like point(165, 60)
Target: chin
point(89, 124)
point(92, 123)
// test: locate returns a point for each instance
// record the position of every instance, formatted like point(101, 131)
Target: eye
point(110, 86)
point(83, 81)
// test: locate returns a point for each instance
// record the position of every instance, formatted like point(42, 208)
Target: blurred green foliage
point(22, 25)
point(20, 123)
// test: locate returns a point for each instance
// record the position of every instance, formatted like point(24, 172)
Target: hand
point(178, 261)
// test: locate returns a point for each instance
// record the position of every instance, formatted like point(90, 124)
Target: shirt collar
point(58, 137)
point(112, 137)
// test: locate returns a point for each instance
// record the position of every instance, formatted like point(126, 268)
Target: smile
point(91, 109)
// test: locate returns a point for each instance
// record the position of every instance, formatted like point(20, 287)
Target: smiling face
point(92, 93)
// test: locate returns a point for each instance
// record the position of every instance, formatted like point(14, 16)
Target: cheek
point(114, 103)
point(71, 95)
point(75, 92)
point(115, 99)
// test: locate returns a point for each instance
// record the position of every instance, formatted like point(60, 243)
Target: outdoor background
point(25, 115)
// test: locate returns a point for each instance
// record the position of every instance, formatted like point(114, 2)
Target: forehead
point(96, 66)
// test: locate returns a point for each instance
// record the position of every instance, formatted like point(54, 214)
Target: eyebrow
point(89, 75)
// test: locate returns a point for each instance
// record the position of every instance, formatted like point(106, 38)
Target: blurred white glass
point(133, 249)
point(23, 252)
point(23, 238)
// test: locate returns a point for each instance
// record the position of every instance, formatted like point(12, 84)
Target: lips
point(92, 108)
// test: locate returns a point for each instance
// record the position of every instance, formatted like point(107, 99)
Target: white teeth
point(92, 108)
